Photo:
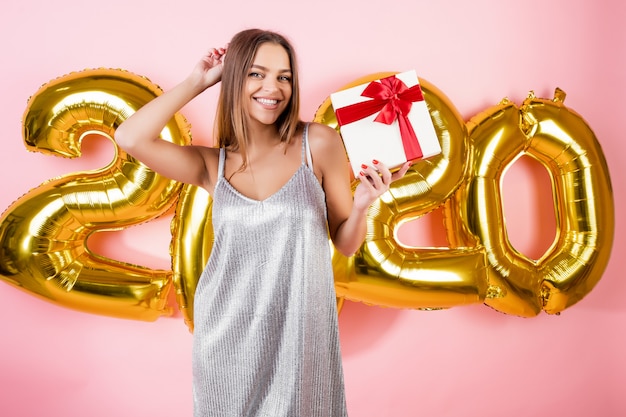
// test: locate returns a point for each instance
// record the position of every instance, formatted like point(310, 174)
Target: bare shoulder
point(328, 153)
point(324, 140)
point(321, 131)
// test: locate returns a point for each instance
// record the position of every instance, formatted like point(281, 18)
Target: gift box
point(386, 120)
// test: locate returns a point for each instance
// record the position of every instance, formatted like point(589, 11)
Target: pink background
point(465, 361)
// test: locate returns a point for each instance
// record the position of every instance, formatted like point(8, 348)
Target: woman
point(265, 319)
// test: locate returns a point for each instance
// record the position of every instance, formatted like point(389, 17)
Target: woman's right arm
point(139, 134)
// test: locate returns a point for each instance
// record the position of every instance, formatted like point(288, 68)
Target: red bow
point(393, 99)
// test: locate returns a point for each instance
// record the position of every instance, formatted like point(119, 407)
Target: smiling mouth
point(267, 101)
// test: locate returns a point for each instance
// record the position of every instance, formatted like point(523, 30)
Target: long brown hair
point(230, 125)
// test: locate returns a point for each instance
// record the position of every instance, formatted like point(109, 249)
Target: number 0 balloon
point(564, 144)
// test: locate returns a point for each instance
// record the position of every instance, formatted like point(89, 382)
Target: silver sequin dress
point(265, 320)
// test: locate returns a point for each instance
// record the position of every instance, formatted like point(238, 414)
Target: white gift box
point(366, 139)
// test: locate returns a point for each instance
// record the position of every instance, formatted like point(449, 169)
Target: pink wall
point(465, 361)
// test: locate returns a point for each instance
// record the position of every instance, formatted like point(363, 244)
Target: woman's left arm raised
point(347, 211)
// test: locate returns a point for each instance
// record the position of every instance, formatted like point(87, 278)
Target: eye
point(254, 74)
point(286, 78)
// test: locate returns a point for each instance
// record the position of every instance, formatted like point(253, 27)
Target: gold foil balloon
point(44, 234)
point(564, 144)
point(192, 241)
point(383, 271)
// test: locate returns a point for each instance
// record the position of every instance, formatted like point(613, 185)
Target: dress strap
point(220, 166)
point(306, 150)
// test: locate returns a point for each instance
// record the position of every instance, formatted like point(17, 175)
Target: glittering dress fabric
point(265, 335)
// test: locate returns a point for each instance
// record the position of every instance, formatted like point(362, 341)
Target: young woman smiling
point(265, 320)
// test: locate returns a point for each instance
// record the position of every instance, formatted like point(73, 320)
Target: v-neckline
point(275, 193)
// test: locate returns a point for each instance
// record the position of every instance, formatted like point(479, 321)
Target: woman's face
point(268, 84)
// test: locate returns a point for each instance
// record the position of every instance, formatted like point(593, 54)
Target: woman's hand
point(375, 181)
point(208, 71)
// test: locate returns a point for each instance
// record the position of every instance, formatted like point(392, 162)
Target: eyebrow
point(261, 67)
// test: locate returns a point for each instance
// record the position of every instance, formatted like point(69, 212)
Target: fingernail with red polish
point(363, 166)
point(362, 173)
point(374, 161)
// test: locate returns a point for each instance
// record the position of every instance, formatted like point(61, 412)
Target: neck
point(262, 136)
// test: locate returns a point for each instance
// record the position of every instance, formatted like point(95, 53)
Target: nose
point(270, 84)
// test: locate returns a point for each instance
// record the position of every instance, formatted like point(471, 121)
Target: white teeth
point(267, 101)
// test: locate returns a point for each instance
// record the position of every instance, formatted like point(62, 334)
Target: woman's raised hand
point(208, 71)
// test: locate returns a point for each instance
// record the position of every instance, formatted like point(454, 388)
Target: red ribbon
point(393, 99)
